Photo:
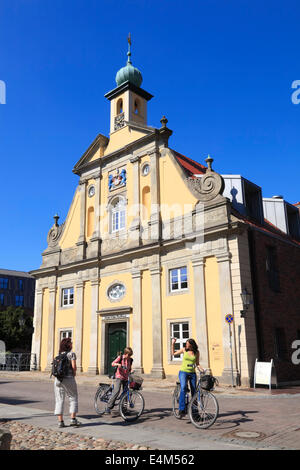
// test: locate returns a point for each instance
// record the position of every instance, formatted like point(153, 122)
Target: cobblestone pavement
point(28, 437)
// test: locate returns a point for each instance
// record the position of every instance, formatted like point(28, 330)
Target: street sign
point(229, 318)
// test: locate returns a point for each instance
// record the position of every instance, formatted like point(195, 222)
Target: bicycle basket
point(208, 382)
point(136, 382)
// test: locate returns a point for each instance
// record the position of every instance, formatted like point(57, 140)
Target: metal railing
point(18, 362)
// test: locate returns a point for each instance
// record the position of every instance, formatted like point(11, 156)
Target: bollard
point(5, 439)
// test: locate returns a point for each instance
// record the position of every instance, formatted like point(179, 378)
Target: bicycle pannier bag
point(136, 382)
point(208, 382)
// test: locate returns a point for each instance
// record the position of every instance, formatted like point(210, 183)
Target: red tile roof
point(267, 227)
point(189, 166)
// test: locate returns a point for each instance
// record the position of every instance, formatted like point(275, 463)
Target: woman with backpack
point(187, 372)
point(123, 364)
point(66, 384)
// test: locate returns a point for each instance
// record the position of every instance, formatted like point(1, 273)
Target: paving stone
point(26, 437)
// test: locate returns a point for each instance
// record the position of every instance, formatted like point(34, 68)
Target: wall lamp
point(246, 299)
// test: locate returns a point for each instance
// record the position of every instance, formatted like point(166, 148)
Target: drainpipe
point(256, 305)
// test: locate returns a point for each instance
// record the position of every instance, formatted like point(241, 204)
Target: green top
point(188, 362)
point(129, 72)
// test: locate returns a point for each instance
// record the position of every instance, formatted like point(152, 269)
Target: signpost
point(229, 320)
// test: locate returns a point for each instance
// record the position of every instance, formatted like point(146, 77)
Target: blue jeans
point(184, 377)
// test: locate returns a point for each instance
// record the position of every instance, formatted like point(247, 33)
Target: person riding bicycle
point(187, 371)
point(123, 363)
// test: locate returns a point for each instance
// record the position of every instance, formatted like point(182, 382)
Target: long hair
point(65, 345)
point(194, 346)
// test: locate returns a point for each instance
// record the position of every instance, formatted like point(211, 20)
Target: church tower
point(128, 99)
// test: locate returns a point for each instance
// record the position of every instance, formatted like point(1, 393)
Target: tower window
point(136, 107)
point(120, 106)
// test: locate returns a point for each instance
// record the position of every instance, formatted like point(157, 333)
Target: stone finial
point(164, 121)
point(209, 186)
point(55, 232)
point(209, 161)
point(56, 217)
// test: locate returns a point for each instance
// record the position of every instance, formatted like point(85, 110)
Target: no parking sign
point(229, 318)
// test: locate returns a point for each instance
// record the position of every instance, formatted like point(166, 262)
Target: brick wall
point(277, 310)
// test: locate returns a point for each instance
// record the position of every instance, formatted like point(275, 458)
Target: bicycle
point(202, 408)
point(131, 402)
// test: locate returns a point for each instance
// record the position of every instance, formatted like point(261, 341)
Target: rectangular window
point(20, 284)
point(272, 269)
point(280, 344)
point(19, 301)
point(65, 334)
point(178, 279)
point(3, 283)
point(118, 220)
point(67, 297)
point(181, 332)
point(1, 299)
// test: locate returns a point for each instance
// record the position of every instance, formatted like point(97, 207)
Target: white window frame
point(180, 343)
point(69, 297)
point(66, 333)
point(118, 216)
point(179, 275)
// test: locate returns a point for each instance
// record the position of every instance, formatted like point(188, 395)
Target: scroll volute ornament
point(209, 186)
point(54, 233)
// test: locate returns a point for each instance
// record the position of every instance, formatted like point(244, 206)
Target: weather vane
point(129, 51)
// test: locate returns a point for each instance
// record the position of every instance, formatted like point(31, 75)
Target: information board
point(264, 372)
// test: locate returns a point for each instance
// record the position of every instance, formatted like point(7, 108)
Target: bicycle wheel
point(176, 401)
point(131, 405)
point(101, 398)
point(203, 409)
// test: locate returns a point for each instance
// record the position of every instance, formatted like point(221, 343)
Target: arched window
point(120, 106)
point(117, 215)
point(136, 107)
point(90, 221)
point(146, 202)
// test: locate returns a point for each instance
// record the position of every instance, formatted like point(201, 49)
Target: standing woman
point(67, 386)
point(187, 372)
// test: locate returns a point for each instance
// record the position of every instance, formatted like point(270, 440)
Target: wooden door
point(116, 343)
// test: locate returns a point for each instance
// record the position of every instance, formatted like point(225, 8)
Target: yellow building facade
point(149, 251)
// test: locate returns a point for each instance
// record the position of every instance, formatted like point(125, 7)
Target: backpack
point(60, 366)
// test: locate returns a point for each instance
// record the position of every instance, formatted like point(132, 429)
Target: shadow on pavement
point(233, 422)
point(16, 401)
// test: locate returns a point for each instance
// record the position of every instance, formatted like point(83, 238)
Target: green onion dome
point(129, 73)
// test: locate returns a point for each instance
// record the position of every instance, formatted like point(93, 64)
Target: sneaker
point(107, 411)
point(181, 414)
point(61, 424)
point(74, 422)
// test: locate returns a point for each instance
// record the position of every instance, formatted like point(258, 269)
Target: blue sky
point(221, 71)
